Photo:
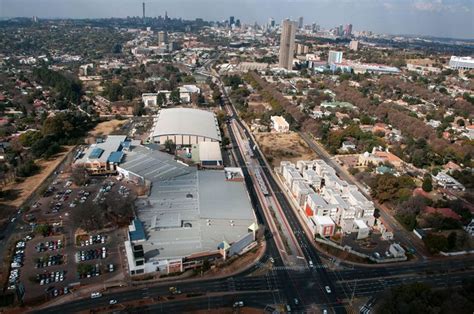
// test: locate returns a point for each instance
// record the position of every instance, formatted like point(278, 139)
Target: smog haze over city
point(226, 156)
point(439, 18)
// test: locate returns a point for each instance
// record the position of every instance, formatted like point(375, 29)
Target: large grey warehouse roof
point(187, 121)
point(153, 165)
point(193, 213)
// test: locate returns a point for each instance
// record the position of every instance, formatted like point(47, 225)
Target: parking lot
point(61, 257)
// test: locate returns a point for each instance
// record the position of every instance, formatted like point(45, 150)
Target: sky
point(441, 18)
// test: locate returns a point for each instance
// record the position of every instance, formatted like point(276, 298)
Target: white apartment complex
point(321, 194)
point(463, 63)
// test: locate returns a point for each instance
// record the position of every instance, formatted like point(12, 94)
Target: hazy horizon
point(440, 18)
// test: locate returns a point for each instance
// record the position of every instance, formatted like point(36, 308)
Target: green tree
point(52, 150)
point(43, 229)
point(112, 91)
point(138, 109)
point(435, 243)
point(427, 185)
point(175, 96)
point(161, 99)
point(452, 238)
point(27, 169)
point(28, 138)
point(170, 146)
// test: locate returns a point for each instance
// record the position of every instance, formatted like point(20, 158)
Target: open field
point(284, 146)
point(23, 190)
point(105, 128)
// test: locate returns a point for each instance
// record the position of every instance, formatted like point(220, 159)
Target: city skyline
point(440, 18)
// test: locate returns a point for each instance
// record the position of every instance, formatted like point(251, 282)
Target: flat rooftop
point(102, 151)
point(190, 211)
point(152, 165)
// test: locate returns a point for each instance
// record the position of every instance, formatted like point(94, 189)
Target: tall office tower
point(340, 30)
point(348, 30)
point(162, 37)
point(315, 27)
point(231, 21)
point(334, 57)
point(300, 22)
point(271, 22)
point(237, 23)
point(143, 6)
point(287, 44)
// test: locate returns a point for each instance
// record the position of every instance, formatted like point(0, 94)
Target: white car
point(328, 290)
point(95, 295)
point(111, 302)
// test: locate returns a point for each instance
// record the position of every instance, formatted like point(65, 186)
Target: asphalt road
point(282, 284)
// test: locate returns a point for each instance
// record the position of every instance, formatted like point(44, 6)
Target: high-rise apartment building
point(354, 45)
point(300, 22)
point(162, 37)
point(334, 57)
point(287, 44)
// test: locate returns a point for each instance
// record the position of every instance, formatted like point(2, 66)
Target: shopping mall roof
point(186, 121)
point(194, 212)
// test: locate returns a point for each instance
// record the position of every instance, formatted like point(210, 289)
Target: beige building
point(287, 44)
point(354, 45)
point(279, 124)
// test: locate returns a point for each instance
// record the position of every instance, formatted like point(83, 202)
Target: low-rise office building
point(104, 156)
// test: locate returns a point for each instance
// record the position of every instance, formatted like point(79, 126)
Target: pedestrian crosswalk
point(294, 267)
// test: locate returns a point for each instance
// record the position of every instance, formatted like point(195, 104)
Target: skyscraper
point(287, 44)
point(162, 37)
point(348, 30)
point(143, 6)
point(300, 22)
point(231, 21)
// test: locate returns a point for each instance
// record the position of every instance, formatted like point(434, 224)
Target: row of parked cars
point(92, 254)
point(17, 262)
point(54, 292)
point(81, 198)
point(47, 261)
point(49, 245)
point(94, 239)
point(47, 278)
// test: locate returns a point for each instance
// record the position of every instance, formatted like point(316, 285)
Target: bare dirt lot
point(283, 146)
point(105, 128)
point(23, 190)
